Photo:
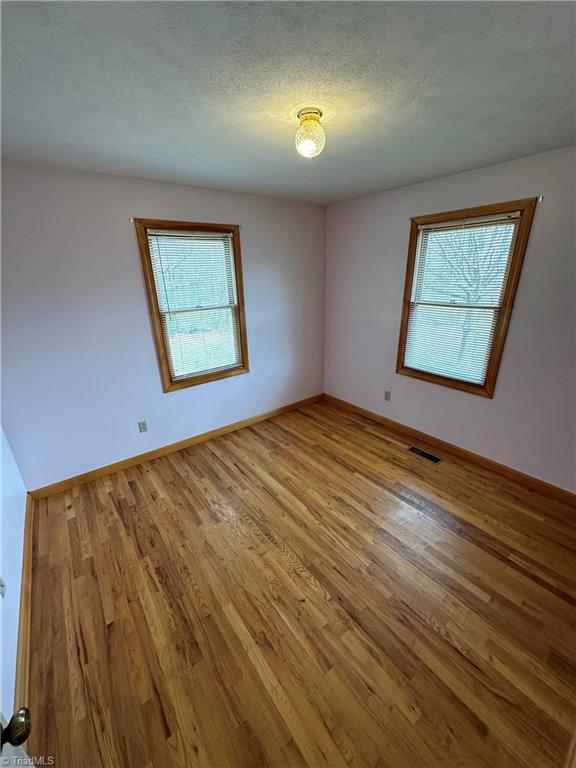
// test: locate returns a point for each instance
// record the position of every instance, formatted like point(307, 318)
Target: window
point(193, 278)
point(461, 279)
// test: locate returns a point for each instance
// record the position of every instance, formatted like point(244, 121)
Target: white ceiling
point(206, 93)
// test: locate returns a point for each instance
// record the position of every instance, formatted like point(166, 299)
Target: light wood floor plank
point(303, 592)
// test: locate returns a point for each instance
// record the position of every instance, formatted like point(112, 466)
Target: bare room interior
point(288, 384)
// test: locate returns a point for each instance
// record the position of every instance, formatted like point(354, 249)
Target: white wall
point(79, 361)
point(13, 494)
point(530, 423)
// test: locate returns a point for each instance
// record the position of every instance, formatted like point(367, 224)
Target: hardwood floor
point(303, 592)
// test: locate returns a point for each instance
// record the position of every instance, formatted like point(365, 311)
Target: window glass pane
point(195, 270)
point(450, 341)
point(463, 265)
point(202, 341)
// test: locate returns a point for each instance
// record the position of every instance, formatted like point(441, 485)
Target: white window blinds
point(195, 283)
point(458, 283)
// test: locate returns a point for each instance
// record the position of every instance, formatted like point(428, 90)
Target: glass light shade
point(310, 137)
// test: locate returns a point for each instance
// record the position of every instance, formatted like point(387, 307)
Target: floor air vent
point(425, 454)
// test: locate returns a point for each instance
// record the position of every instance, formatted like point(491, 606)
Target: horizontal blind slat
point(464, 267)
point(192, 272)
point(450, 342)
point(202, 341)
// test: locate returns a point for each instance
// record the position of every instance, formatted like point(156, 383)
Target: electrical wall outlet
point(387, 395)
point(142, 426)
point(2, 587)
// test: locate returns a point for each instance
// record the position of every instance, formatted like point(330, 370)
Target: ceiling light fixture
point(310, 137)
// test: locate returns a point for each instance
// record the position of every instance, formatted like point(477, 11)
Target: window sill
point(193, 381)
point(483, 390)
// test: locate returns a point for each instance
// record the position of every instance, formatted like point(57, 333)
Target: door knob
point(18, 729)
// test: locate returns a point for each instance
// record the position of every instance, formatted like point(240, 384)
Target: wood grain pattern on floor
point(303, 592)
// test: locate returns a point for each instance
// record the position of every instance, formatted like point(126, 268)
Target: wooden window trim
point(142, 227)
point(526, 207)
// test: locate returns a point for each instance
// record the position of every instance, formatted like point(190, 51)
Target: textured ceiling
point(207, 93)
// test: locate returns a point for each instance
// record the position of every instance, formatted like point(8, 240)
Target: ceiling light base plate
point(310, 113)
